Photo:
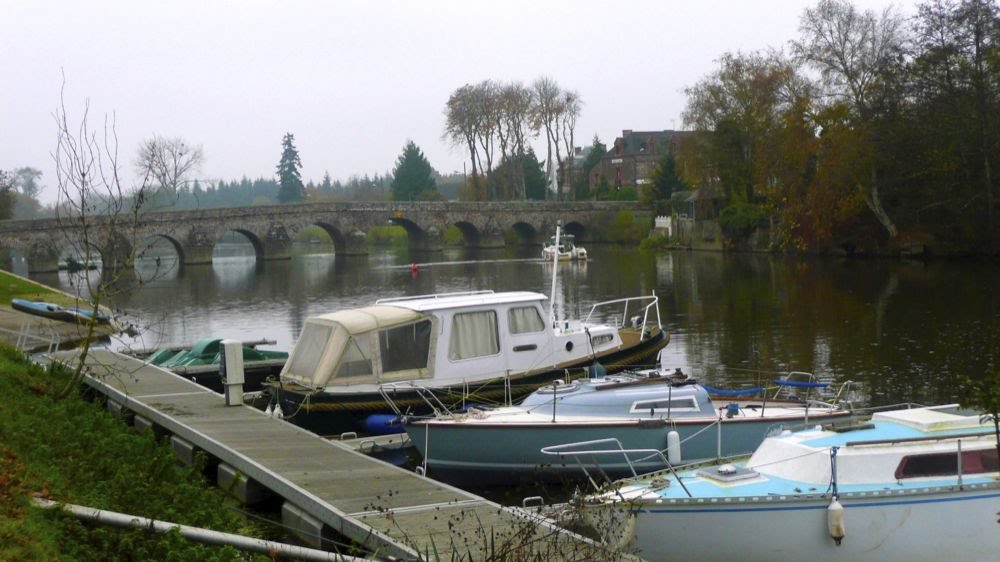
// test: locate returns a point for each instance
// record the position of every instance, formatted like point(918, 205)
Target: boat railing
point(437, 407)
point(434, 296)
point(645, 308)
point(609, 447)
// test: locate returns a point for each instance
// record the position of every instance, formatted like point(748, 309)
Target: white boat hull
point(913, 525)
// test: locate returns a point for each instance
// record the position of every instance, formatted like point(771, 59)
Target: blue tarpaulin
point(741, 392)
point(802, 384)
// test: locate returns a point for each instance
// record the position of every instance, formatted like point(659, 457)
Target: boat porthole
point(569, 346)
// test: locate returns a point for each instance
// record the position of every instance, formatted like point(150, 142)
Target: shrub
point(740, 220)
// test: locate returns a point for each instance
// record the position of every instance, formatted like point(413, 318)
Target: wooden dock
point(326, 485)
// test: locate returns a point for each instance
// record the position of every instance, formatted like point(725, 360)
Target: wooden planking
point(388, 509)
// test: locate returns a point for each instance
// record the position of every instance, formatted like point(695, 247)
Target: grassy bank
point(73, 451)
point(14, 287)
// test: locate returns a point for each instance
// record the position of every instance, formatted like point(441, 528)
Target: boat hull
point(912, 525)
point(329, 413)
point(508, 453)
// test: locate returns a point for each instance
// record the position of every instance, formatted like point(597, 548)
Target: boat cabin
point(436, 339)
point(633, 397)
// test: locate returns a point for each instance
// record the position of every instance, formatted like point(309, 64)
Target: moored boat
point(200, 363)
point(915, 484)
point(57, 312)
point(477, 345)
point(563, 248)
point(650, 411)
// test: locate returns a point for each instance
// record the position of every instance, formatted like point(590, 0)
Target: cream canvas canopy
point(342, 346)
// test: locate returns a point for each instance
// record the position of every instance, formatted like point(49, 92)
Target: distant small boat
point(565, 249)
point(914, 484)
point(54, 311)
point(200, 363)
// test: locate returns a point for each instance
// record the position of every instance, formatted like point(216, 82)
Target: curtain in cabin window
point(524, 320)
point(474, 334)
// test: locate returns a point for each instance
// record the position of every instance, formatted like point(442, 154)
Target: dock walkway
point(390, 511)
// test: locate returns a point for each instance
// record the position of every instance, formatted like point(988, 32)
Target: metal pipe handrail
point(435, 296)
point(654, 300)
point(557, 450)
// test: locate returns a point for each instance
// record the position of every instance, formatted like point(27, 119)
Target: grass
point(14, 287)
point(71, 450)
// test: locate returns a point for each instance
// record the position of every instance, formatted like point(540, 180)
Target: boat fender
point(674, 448)
point(278, 413)
point(383, 424)
point(835, 521)
point(269, 411)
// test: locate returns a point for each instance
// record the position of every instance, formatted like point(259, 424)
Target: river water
point(907, 330)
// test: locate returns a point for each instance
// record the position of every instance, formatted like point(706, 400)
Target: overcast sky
point(353, 81)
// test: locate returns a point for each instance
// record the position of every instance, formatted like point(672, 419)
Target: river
point(907, 330)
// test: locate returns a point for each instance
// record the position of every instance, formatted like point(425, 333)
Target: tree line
point(873, 129)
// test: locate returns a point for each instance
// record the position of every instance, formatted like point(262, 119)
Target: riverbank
point(71, 450)
point(16, 287)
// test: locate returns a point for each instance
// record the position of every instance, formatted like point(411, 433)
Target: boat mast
point(555, 271)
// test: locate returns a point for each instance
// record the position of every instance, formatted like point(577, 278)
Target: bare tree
point(167, 161)
point(854, 53)
point(96, 211)
point(462, 124)
point(569, 113)
point(544, 116)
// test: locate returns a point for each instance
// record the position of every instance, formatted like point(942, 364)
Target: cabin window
point(946, 464)
point(309, 349)
point(356, 359)
point(601, 340)
point(525, 320)
point(681, 404)
point(474, 334)
point(405, 348)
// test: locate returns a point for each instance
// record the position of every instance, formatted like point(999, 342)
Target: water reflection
point(907, 330)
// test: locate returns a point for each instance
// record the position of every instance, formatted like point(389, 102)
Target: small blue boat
point(54, 311)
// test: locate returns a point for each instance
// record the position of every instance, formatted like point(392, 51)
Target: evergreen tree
point(289, 178)
point(665, 182)
point(581, 181)
point(535, 182)
point(326, 188)
point(413, 177)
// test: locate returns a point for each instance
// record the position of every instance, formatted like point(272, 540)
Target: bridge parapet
point(272, 229)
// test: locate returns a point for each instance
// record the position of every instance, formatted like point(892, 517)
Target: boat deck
point(389, 510)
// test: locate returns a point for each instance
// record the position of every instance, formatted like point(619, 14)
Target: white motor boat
point(563, 250)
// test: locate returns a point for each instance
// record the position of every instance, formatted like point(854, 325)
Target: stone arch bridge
point(272, 229)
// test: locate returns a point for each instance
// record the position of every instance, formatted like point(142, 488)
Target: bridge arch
point(576, 229)
point(524, 234)
point(251, 237)
point(338, 237)
point(470, 234)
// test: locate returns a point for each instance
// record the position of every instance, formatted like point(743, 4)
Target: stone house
point(633, 157)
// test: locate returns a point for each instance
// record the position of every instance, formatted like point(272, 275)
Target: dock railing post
point(231, 371)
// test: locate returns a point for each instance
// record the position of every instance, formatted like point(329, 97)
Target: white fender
point(835, 521)
point(674, 448)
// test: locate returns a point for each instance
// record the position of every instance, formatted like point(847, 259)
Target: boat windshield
point(366, 345)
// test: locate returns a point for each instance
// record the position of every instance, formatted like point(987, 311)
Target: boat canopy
point(363, 345)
